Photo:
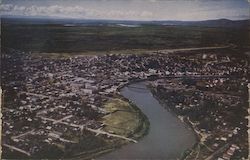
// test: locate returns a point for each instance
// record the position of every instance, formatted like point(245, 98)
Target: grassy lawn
point(123, 118)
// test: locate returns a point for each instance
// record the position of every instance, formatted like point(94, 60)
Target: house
point(226, 156)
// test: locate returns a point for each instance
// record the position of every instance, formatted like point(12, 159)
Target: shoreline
point(183, 120)
point(141, 131)
point(199, 136)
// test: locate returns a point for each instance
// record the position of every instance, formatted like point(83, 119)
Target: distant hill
point(212, 23)
point(124, 23)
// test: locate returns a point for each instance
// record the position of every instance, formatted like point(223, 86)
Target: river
point(168, 137)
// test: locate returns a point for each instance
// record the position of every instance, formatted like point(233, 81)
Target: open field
point(125, 119)
point(122, 119)
point(125, 52)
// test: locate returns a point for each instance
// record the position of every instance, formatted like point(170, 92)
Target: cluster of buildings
point(214, 106)
point(51, 101)
point(217, 114)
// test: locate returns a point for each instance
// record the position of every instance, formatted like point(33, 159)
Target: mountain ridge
point(70, 21)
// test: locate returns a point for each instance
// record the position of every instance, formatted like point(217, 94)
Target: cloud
point(6, 7)
point(71, 12)
point(152, 1)
point(129, 9)
point(54, 10)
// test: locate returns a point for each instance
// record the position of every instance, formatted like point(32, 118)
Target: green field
point(123, 118)
point(90, 39)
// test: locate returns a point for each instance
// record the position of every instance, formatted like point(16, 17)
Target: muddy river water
point(168, 137)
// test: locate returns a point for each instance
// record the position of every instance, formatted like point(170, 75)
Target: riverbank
point(124, 118)
point(200, 109)
point(182, 119)
point(121, 112)
point(168, 138)
point(198, 137)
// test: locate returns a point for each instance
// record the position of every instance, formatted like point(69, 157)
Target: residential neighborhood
point(51, 102)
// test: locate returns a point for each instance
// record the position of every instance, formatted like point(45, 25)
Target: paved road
point(198, 152)
point(21, 135)
point(218, 151)
point(64, 118)
point(34, 94)
point(17, 149)
point(45, 110)
point(89, 129)
point(190, 49)
point(56, 121)
point(110, 134)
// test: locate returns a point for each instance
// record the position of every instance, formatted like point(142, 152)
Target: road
point(45, 110)
point(218, 151)
point(64, 118)
point(110, 134)
point(198, 152)
point(24, 134)
point(17, 149)
point(89, 129)
point(60, 122)
point(36, 95)
point(166, 51)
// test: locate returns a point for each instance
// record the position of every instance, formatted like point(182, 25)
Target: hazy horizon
point(137, 10)
point(86, 19)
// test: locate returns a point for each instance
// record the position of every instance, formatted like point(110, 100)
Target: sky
point(185, 10)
